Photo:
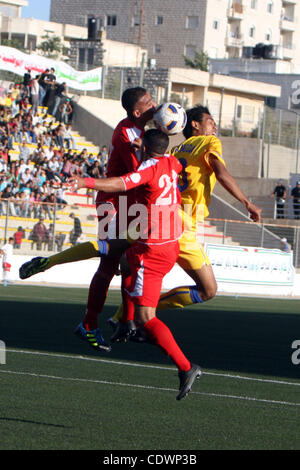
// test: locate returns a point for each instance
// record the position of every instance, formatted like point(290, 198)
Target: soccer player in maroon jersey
point(156, 250)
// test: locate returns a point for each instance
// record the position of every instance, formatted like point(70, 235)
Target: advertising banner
point(13, 60)
point(252, 270)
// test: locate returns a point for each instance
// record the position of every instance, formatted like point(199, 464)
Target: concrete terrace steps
point(80, 141)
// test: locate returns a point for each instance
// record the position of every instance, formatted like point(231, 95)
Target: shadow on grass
point(236, 341)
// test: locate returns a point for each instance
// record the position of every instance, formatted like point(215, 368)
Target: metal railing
point(58, 232)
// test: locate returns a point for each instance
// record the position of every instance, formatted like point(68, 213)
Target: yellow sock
point(76, 253)
point(179, 297)
point(118, 315)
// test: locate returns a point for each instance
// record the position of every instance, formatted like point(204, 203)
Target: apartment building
point(170, 29)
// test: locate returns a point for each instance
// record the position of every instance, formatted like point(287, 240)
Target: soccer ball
point(170, 118)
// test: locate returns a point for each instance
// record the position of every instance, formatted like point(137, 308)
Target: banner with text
point(13, 60)
point(244, 269)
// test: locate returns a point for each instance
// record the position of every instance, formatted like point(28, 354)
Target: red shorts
point(6, 267)
point(149, 264)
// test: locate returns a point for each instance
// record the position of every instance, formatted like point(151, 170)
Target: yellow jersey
point(197, 180)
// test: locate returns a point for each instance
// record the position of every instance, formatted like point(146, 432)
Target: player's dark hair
point(130, 97)
point(194, 114)
point(155, 141)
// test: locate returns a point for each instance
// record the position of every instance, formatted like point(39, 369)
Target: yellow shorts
point(192, 255)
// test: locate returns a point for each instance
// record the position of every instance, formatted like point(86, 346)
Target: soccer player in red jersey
point(124, 157)
point(156, 250)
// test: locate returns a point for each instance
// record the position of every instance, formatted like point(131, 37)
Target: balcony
point(289, 2)
point(234, 40)
point(236, 12)
point(287, 24)
point(288, 51)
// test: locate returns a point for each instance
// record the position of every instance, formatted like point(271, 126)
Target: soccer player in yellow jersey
point(201, 157)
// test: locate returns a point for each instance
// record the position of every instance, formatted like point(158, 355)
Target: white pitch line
point(146, 366)
point(149, 387)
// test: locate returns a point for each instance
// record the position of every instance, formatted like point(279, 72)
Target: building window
point(249, 113)
point(252, 31)
point(90, 57)
point(159, 20)
point(111, 20)
point(136, 20)
point(268, 35)
point(216, 24)
point(31, 42)
point(253, 4)
point(239, 111)
point(190, 51)
point(157, 49)
point(81, 57)
point(192, 22)
point(7, 10)
point(270, 6)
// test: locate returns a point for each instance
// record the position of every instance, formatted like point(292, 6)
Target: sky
point(39, 9)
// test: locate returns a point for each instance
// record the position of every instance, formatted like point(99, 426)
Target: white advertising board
point(238, 270)
point(242, 269)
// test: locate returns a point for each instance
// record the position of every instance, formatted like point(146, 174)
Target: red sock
point(128, 305)
point(162, 336)
point(98, 292)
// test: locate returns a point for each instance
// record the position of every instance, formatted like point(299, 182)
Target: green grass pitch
point(58, 394)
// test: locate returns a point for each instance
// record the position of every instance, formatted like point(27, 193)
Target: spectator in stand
point(284, 245)
point(18, 236)
point(27, 81)
point(59, 137)
point(35, 94)
point(59, 240)
point(295, 195)
point(49, 152)
point(77, 230)
point(26, 176)
point(50, 80)
point(42, 87)
point(50, 237)
point(280, 194)
point(60, 90)
point(65, 110)
point(68, 137)
point(39, 234)
point(97, 170)
point(52, 170)
point(6, 196)
point(24, 151)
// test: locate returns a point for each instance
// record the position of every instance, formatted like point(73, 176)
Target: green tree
point(51, 47)
point(15, 43)
point(200, 61)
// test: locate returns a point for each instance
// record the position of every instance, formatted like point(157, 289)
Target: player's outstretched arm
point(108, 185)
point(229, 183)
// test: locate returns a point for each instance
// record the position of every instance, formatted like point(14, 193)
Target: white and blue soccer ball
point(170, 118)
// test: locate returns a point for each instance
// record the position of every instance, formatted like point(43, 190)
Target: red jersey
point(123, 158)
point(158, 200)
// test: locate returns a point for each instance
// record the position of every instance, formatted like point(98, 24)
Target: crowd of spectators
point(34, 178)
